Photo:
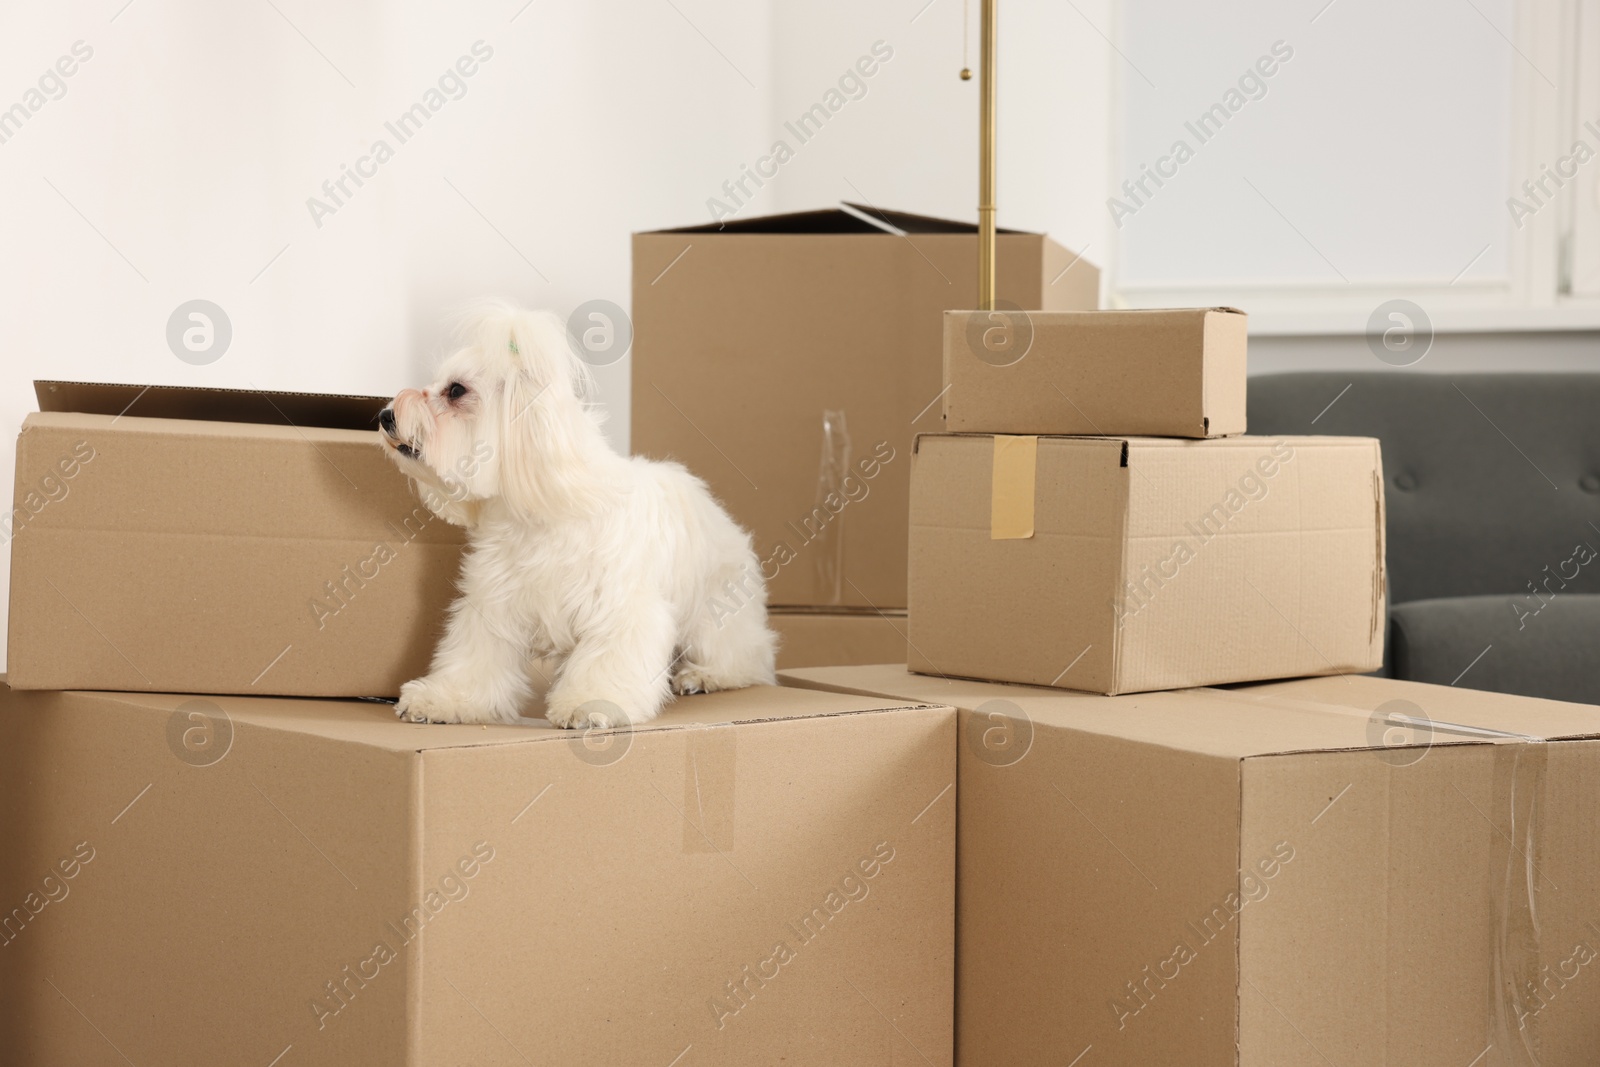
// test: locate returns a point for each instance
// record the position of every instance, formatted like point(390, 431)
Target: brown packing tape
point(1517, 881)
point(709, 767)
point(1011, 492)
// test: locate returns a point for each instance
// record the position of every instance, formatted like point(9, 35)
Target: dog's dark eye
point(455, 391)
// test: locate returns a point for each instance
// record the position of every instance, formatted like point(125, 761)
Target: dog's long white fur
point(625, 570)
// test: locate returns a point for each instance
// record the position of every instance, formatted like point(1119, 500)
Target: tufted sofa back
point(1490, 478)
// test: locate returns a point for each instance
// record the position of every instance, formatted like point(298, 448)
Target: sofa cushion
point(1534, 646)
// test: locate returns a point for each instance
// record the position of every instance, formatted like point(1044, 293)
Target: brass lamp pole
point(986, 115)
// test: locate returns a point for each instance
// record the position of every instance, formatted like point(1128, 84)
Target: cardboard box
point(838, 638)
point(236, 880)
point(219, 541)
point(1123, 564)
point(789, 360)
point(1328, 871)
point(1162, 373)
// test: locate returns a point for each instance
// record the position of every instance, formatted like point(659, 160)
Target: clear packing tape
point(827, 551)
point(1520, 975)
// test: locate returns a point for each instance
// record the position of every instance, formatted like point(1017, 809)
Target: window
point(1311, 163)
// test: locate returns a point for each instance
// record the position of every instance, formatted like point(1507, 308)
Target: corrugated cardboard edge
point(829, 611)
point(944, 371)
point(1011, 491)
point(1380, 591)
point(1117, 679)
point(1225, 337)
point(537, 734)
point(416, 890)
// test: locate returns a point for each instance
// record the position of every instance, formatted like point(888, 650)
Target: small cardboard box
point(1123, 564)
point(219, 541)
point(757, 875)
point(1328, 871)
point(789, 360)
point(1162, 373)
point(838, 638)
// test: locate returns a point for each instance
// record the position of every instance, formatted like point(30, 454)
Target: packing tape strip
point(1016, 461)
point(1515, 884)
point(827, 547)
point(710, 763)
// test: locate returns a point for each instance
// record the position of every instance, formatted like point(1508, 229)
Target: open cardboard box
point(219, 541)
point(1342, 870)
point(788, 360)
point(756, 874)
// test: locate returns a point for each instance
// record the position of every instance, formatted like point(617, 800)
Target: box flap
point(1336, 713)
point(835, 220)
point(268, 406)
point(1450, 710)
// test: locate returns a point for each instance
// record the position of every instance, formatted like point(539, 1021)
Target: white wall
point(192, 138)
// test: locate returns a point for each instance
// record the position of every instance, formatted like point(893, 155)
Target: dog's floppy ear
point(538, 342)
point(547, 431)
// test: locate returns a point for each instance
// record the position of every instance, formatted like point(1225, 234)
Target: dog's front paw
point(588, 713)
point(427, 700)
point(687, 680)
point(691, 679)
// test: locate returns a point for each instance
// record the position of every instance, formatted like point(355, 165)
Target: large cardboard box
point(789, 360)
point(1328, 871)
point(838, 638)
point(1123, 564)
point(758, 876)
point(1162, 373)
point(219, 541)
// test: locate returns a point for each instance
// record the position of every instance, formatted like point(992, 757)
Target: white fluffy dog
point(626, 570)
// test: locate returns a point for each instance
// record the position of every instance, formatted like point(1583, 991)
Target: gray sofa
point(1493, 490)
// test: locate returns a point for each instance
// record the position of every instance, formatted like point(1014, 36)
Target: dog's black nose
point(386, 420)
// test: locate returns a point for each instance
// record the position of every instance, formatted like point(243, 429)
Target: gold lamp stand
point(986, 139)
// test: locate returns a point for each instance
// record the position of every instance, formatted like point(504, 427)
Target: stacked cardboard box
point(1338, 870)
point(790, 360)
point(201, 870)
point(1260, 875)
point(1054, 541)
